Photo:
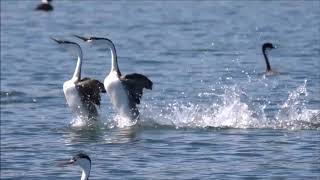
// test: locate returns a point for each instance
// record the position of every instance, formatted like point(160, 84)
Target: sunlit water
point(212, 114)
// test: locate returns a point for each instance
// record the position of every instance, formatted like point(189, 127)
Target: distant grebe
point(44, 6)
point(265, 48)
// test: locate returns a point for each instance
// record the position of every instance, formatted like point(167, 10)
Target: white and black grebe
point(83, 161)
point(125, 91)
point(44, 6)
point(82, 95)
point(265, 48)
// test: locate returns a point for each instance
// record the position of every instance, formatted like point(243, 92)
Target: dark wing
point(135, 84)
point(90, 90)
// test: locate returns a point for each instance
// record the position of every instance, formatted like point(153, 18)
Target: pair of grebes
point(83, 94)
point(125, 91)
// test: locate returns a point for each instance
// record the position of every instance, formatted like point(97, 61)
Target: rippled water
point(212, 114)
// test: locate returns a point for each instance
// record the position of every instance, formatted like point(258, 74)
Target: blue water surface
point(212, 113)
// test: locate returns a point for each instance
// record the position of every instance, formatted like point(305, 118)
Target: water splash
point(230, 107)
point(120, 122)
point(231, 111)
point(293, 113)
point(83, 122)
point(292, 107)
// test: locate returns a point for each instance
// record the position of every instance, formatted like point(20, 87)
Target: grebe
point(83, 161)
point(82, 95)
point(265, 48)
point(125, 91)
point(44, 6)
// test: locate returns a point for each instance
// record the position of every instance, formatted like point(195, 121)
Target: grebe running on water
point(265, 48)
point(82, 95)
point(125, 91)
point(44, 6)
point(83, 161)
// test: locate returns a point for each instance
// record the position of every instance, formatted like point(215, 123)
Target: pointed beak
point(65, 162)
point(56, 40)
point(82, 38)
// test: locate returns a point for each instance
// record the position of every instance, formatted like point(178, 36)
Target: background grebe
point(83, 161)
point(44, 6)
point(265, 48)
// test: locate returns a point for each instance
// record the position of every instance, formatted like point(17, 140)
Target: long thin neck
point(77, 72)
point(114, 60)
point(266, 59)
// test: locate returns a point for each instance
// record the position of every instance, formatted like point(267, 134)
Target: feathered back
point(135, 84)
point(90, 90)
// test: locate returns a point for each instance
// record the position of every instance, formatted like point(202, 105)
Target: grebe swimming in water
point(125, 91)
point(82, 95)
point(265, 48)
point(44, 6)
point(83, 161)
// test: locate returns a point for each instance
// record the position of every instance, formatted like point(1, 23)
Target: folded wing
point(90, 90)
point(135, 84)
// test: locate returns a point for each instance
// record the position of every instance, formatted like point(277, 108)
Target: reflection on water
point(123, 135)
point(100, 135)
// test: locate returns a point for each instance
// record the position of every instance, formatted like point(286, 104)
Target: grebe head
point(63, 42)
point(73, 47)
point(268, 46)
point(83, 161)
point(94, 40)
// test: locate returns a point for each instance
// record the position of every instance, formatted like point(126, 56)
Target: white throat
point(114, 62)
point(85, 174)
point(85, 167)
point(77, 72)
